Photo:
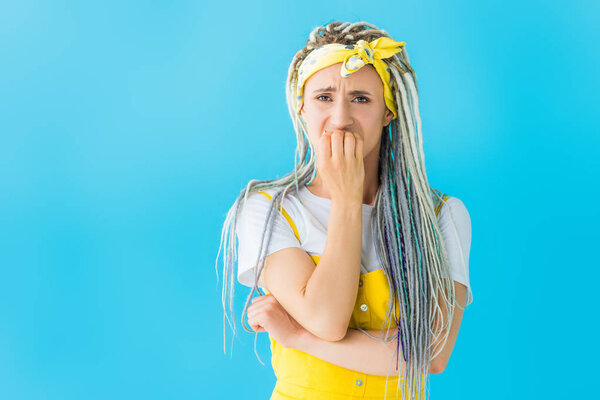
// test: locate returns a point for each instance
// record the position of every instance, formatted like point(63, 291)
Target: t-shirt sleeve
point(455, 226)
point(249, 231)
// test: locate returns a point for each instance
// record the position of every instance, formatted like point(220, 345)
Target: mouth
point(330, 131)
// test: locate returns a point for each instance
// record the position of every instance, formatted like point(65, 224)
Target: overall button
point(358, 382)
point(363, 307)
point(360, 283)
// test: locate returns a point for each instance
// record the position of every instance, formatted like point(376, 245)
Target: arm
point(438, 364)
point(358, 352)
point(321, 298)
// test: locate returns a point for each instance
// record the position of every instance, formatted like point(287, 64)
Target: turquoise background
point(128, 129)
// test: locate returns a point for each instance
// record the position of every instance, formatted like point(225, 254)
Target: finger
point(349, 144)
point(337, 144)
point(255, 322)
point(259, 298)
point(255, 309)
point(358, 147)
point(324, 150)
point(256, 327)
point(258, 322)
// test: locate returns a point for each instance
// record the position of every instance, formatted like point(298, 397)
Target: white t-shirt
point(311, 224)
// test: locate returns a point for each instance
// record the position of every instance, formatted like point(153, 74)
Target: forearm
point(356, 351)
point(331, 290)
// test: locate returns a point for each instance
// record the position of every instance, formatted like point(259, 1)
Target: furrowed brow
point(332, 89)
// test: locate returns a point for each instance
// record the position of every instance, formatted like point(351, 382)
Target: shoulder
point(257, 200)
point(454, 220)
point(454, 210)
point(262, 200)
point(256, 207)
point(455, 224)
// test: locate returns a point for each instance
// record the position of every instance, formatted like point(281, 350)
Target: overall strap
point(286, 215)
point(439, 207)
point(437, 202)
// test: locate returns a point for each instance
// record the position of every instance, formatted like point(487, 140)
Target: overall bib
point(301, 376)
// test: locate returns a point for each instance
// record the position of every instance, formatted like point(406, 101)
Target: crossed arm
point(359, 352)
point(313, 306)
point(355, 351)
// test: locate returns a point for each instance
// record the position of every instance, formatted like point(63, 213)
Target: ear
point(389, 115)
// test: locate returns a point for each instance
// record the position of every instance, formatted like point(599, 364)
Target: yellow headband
point(352, 57)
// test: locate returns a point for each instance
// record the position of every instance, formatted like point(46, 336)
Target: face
point(355, 104)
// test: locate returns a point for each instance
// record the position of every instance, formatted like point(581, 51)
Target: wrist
point(347, 204)
point(303, 340)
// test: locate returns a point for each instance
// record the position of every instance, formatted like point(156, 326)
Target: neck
point(370, 186)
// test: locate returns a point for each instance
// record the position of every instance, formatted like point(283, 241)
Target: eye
point(362, 97)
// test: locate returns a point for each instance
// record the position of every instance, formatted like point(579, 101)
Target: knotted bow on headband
point(352, 57)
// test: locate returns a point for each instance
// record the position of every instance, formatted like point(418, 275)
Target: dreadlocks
point(404, 224)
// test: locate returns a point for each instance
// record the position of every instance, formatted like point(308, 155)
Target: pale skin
point(344, 117)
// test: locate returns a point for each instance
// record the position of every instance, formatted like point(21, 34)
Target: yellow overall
point(302, 376)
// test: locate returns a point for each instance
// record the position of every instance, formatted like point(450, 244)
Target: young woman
point(362, 261)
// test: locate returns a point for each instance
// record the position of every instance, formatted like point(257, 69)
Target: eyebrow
point(332, 89)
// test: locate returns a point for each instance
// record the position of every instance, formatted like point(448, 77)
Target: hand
point(266, 314)
point(340, 164)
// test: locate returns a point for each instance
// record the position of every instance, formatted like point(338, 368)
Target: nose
point(340, 116)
